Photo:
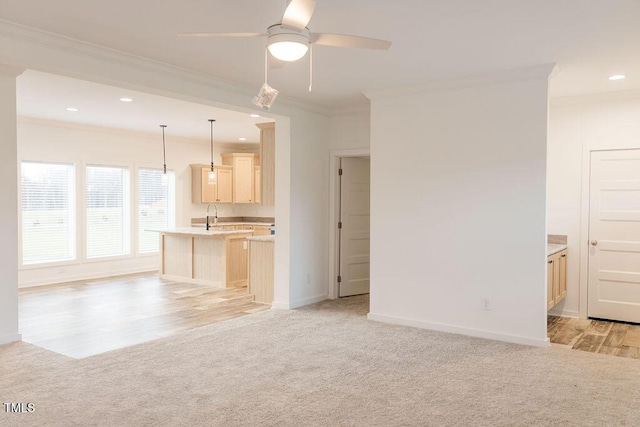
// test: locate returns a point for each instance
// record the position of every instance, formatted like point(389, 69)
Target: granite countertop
point(200, 231)
point(553, 248)
point(269, 238)
point(267, 224)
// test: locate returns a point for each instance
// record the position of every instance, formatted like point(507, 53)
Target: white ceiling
point(432, 40)
point(47, 96)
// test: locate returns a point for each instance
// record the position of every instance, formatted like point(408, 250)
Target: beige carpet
point(322, 365)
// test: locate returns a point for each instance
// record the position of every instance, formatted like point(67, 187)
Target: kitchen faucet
point(215, 217)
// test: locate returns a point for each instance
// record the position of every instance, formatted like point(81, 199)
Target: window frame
point(73, 196)
point(127, 198)
point(171, 204)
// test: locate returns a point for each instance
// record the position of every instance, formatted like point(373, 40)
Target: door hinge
point(339, 279)
point(340, 171)
point(340, 225)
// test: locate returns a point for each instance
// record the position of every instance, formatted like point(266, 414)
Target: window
point(154, 210)
point(107, 211)
point(48, 213)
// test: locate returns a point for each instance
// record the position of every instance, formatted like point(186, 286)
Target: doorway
point(614, 235)
point(352, 226)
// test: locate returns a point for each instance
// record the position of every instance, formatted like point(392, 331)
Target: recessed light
point(254, 115)
point(72, 109)
point(617, 77)
point(126, 99)
point(242, 138)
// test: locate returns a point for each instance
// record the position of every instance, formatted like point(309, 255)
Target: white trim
point(10, 338)
point(307, 301)
point(497, 77)
point(334, 161)
point(105, 274)
point(16, 33)
point(279, 305)
point(565, 313)
point(584, 217)
point(11, 71)
point(479, 333)
point(595, 98)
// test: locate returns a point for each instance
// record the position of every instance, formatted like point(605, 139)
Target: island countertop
point(199, 231)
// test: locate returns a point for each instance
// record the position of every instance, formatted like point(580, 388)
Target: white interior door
point(354, 234)
point(614, 236)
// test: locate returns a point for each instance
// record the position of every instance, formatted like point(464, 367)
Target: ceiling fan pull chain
point(310, 67)
point(266, 65)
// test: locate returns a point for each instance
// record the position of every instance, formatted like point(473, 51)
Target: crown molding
point(498, 77)
point(10, 70)
point(354, 109)
point(11, 31)
point(595, 98)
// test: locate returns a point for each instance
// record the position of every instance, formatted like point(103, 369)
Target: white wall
point(575, 124)
point(350, 130)
point(41, 140)
point(8, 207)
point(458, 207)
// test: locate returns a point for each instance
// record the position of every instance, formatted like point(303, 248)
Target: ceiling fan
point(289, 40)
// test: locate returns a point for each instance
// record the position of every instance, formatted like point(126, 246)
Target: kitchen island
point(207, 257)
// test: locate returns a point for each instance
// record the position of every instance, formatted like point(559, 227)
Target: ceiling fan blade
point(245, 35)
point(342, 40)
point(298, 13)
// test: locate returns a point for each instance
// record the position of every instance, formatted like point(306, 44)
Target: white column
point(8, 206)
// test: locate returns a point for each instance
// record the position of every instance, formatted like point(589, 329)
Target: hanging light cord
point(211, 121)
point(310, 67)
point(266, 66)
point(164, 150)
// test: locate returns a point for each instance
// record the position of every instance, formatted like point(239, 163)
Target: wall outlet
point(485, 304)
point(308, 278)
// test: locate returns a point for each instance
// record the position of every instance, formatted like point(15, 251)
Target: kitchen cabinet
point(257, 191)
point(242, 165)
point(221, 191)
point(556, 278)
point(261, 230)
point(260, 268)
point(197, 256)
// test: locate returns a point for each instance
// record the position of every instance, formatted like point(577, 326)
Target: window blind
point(48, 212)
point(153, 208)
point(107, 211)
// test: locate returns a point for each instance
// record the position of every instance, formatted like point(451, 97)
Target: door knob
point(594, 242)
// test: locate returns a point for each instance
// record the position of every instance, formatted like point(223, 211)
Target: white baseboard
point(565, 313)
point(53, 280)
point(279, 305)
point(459, 330)
point(6, 339)
point(307, 301)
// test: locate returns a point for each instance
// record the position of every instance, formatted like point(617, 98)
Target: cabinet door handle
point(550, 261)
point(562, 256)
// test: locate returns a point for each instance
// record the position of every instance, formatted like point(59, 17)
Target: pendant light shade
point(212, 173)
point(165, 178)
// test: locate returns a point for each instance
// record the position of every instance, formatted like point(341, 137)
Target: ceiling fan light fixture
point(288, 51)
point(287, 45)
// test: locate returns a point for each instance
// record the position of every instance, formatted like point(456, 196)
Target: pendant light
point(212, 172)
point(165, 178)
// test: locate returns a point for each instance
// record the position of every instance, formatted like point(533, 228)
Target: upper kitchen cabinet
point(220, 191)
point(243, 165)
point(267, 175)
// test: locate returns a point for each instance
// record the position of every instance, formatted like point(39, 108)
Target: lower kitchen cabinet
point(556, 278)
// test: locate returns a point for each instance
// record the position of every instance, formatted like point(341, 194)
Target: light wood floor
point(595, 336)
point(83, 319)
